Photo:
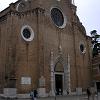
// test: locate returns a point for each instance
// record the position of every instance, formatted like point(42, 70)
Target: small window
point(27, 33)
point(82, 48)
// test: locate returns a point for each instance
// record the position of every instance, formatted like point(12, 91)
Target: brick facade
point(21, 60)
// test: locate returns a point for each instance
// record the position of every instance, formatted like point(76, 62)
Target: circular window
point(20, 7)
point(82, 48)
point(58, 17)
point(27, 33)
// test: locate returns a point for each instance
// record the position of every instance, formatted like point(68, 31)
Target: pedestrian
point(88, 93)
point(32, 95)
point(35, 94)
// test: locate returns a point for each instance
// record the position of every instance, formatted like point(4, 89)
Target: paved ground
point(83, 97)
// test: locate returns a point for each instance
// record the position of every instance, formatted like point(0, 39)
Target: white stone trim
point(52, 92)
point(42, 92)
point(17, 6)
point(10, 92)
point(31, 31)
point(66, 75)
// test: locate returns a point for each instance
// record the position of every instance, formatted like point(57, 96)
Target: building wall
point(20, 59)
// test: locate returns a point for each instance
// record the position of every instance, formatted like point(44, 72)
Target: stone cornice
point(16, 13)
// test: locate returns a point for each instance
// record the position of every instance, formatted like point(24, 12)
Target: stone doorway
point(59, 84)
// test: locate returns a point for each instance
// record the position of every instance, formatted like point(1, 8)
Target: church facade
point(44, 46)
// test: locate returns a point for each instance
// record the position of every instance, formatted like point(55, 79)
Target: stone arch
point(59, 61)
point(64, 71)
point(60, 71)
point(59, 67)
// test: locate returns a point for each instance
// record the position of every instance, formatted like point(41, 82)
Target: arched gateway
point(60, 75)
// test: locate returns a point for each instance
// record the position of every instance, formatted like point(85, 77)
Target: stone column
point(68, 75)
point(52, 92)
point(66, 87)
point(65, 80)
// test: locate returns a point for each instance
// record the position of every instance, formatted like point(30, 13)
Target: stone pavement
point(74, 97)
point(82, 97)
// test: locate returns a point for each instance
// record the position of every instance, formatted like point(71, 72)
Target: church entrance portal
point(59, 84)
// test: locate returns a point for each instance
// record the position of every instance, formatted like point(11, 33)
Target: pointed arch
point(59, 67)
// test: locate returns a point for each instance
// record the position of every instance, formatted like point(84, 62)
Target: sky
point(87, 10)
point(89, 14)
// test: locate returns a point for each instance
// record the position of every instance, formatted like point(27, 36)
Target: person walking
point(32, 95)
point(35, 94)
point(88, 93)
